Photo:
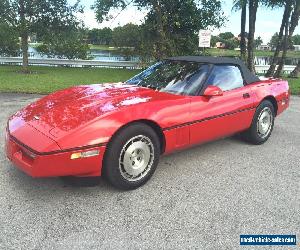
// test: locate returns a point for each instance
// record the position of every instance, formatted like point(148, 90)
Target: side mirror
point(213, 91)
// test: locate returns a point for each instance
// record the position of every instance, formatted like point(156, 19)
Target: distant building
point(220, 45)
point(296, 47)
point(264, 47)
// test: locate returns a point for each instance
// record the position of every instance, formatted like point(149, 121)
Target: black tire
point(253, 135)
point(119, 145)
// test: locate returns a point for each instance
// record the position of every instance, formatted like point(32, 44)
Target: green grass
point(294, 85)
point(227, 52)
point(45, 80)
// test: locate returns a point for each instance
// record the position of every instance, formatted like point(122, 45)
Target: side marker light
point(85, 154)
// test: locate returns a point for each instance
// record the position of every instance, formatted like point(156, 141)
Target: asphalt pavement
point(200, 198)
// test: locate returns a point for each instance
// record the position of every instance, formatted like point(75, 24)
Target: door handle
point(246, 95)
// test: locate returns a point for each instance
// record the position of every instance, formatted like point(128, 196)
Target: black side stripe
point(207, 118)
point(56, 151)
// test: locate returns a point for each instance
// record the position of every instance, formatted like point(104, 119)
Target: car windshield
point(177, 77)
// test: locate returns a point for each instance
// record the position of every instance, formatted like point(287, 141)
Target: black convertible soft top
point(248, 76)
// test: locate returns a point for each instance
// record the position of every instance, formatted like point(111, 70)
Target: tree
point(274, 41)
point(127, 36)
point(128, 39)
point(227, 38)
point(170, 27)
point(252, 43)
point(296, 39)
point(68, 44)
point(214, 40)
point(294, 24)
point(258, 41)
point(44, 17)
point(8, 40)
point(253, 6)
point(277, 39)
point(289, 22)
point(290, 26)
point(231, 43)
point(242, 5)
point(226, 35)
point(294, 18)
point(100, 36)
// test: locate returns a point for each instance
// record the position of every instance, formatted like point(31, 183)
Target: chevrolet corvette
point(120, 130)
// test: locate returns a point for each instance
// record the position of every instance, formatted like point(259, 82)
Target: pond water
point(99, 55)
point(104, 55)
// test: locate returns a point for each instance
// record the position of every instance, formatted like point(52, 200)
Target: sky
point(268, 20)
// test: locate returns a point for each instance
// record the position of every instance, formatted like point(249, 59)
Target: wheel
point(262, 124)
point(131, 156)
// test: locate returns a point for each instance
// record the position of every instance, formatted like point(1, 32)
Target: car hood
point(71, 108)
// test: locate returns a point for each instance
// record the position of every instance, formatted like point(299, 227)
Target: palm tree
point(289, 23)
point(253, 6)
point(274, 61)
point(242, 5)
point(290, 28)
point(285, 38)
point(294, 23)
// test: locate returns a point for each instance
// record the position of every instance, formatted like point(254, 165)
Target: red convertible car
point(120, 130)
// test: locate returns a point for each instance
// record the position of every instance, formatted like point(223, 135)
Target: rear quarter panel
point(277, 88)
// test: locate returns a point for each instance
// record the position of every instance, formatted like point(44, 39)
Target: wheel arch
point(157, 129)
point(272, 99)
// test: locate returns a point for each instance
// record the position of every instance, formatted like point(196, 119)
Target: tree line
point(230, 41)
point(170, 27)
point(295, 40)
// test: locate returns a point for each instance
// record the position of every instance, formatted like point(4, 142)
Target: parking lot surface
point(200, 198)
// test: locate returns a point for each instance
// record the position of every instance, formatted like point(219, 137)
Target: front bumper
point(53, 164)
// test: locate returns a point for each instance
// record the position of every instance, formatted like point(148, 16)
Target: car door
point(219, 116)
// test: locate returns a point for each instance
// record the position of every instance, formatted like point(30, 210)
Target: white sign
point(204, 38)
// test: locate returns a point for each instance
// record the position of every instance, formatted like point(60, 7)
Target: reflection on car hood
point(67, 109)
